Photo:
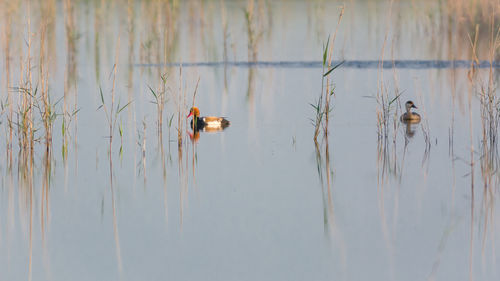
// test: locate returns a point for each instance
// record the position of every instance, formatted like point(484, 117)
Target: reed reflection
point(47, 165)
point(392, 149)
point(70, 80)
point(183, 183)
point(116, 234)
point(164, 174)
point(489, 161)
point(326, 173)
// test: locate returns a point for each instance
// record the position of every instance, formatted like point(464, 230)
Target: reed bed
point(489, 161)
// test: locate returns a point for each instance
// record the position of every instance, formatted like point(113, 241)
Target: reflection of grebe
point(207, 124)
point(408, 116)
point(410, 129)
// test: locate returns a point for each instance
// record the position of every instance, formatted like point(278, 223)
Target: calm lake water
point(259, 200)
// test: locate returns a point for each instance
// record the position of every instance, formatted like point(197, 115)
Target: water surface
point(260, 200)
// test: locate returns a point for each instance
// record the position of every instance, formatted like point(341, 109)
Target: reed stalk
point(6, 38)
point(180, 107)
point(160, 99)
point(111, 112)
point(322, 107)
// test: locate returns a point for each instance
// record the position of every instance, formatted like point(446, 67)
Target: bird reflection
point(194, 135)
point(410, 129)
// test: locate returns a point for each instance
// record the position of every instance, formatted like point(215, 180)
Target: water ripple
point(405, 64)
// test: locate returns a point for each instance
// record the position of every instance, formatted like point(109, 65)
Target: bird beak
point(413, 106)
point(190, 113)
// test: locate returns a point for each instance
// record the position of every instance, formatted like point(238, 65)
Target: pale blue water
point(251, 202)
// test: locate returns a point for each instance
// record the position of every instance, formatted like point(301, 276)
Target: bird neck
point(195, 122)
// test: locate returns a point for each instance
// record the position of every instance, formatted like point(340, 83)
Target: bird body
point(412, 116)
point(409, 116)
point(208, 123)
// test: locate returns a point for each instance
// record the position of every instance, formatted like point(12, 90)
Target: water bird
point(409, 116)
point(208, 123)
